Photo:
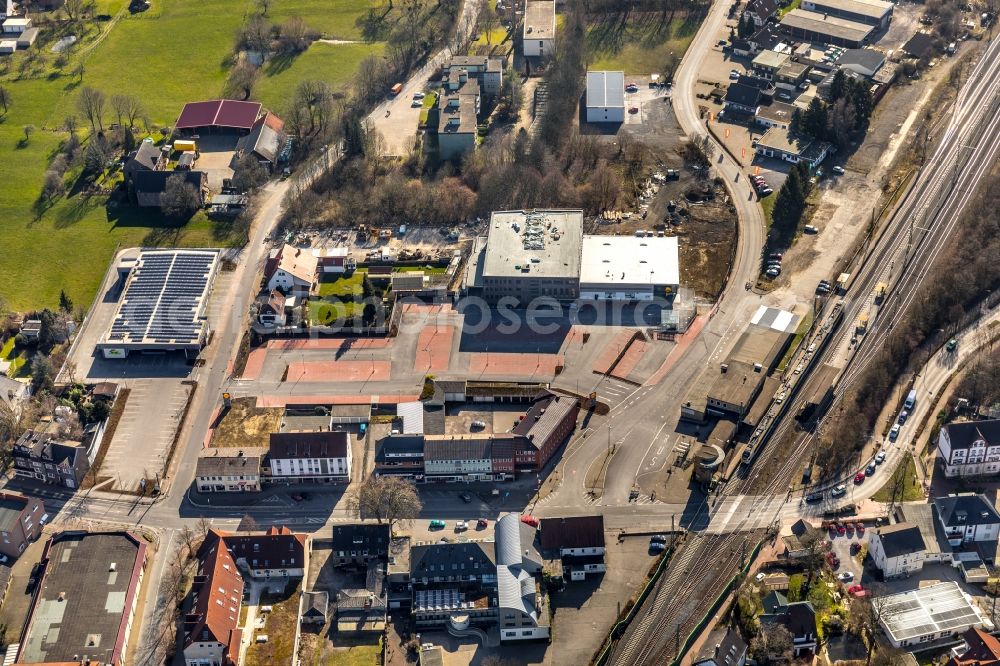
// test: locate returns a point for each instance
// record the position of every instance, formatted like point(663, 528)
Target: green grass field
point(356, 655)
point(18, 359)
point(343, 286)
point(642, 46)
point(904, 478)
point(172, 54)
point(322, 313)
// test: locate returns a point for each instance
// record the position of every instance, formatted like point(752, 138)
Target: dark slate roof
point(732, 648)
point(325, 444)
point(278, 548)
point(463, 555)
point(457, 447)
point(315, 603)
point(151, 182)
point(774, 602)
point(901, 539)
point(867, 58)
point(40, 445)
point(572, 532)
point(962, 435)
point(758, 82)
point(966, 509)
point(743, 94)
point(800, 618)
point(404, 446)
point(766, 38)
point(370, 536)
point(919, 45)
point(762, 8)
point(545, 415)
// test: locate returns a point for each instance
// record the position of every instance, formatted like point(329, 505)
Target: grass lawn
point(343, 286)
point(906, 474)
point(429, 270)
point(356, 655)
point(767, 203)
point(326, 312)
point(165, 57)
point(640, 47)
point(18, 359)
point(245, 424)
point(333, 63)
point(800, 332)
point(336, 19)
point(280, 629)
point(794, 4)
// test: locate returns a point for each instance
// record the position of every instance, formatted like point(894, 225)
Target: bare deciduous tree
point(386, 499)
point(91, 104)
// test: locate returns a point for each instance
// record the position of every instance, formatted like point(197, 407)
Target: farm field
point(164, 57)
point(642, 45)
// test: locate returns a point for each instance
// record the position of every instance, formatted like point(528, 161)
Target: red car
point(856, 591)
point(859, 477)
point(860, 528)
point(528, 519)
point(841, 530)
point(482, 523)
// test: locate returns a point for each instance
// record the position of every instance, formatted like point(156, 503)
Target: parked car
point(419, 95)
point(482, 524)
point(734, 74)
point(466, 497)
point(810, 229)
point(870, 470)
point(894, 432)
point(815, 497)
point(838, 491)
point(902, 417)
point(859, 477)
point(766, 191)
point(658, 538)
point(845, 577)
point(860, 528)
point(528, 519)
point(856, 590)
point(437, 525)
point(416, 103)
point(839, 170)
point(880, 457)
point(656, 547)
point(633, 109)
point(461, 526)
point(775, 255)
point(631, 87)
point(772, 272)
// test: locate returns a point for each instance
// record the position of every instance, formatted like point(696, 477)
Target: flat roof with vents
point(934, 611)
point(622, 261)
point(534, 243)
point(163, 307)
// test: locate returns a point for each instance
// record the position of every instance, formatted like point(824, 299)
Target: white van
point(265, 609)
point(261, 638)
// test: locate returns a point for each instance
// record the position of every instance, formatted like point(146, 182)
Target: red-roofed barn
point(218, 117)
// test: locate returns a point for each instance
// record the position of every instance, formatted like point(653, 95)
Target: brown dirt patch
point(245, 424)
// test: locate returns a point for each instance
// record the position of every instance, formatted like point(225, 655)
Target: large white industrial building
point(628, 268)
point(605, 97)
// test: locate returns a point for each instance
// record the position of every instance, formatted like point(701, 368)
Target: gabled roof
point(326, 444)
point(297, 262)
point(273, 302)
point(315, 603)
point(153, 182)
point(146, 156)
point(11, 508)
point(724, 647)
point(743, 95)
point(762, 8)
point(572, 532)
point(457, 447)
point(546, 413)
point(866, 58)
point(463, 555)
point(277, 548)
point(515, 585)
point(263, 140)
point(218, 113)
point(919, 45)
point(963, 435)
point(901, 539)
point(218, 593)
point(966, 509)
point(983, 650)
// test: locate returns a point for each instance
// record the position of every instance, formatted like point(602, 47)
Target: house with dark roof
point(41, 457)
point(400, 455)
point(978, 648)
point(147, 157)
point(897, 550)
point(724, 647)
point(276, 553)
point(548, 423)
point(921, 45)
point(212, 634)
point(767, 37)
point(453, 578)
point(226, 470)
point(798, 617)
point(970, 448)
point(967, 518)
point(149, 186)
point(741, 99)
point(578, 541)
point(315, 605)
point(363, 609)
point(761, 11)
point(355, 545)
point(866, 62)
point(458, 458)
point(21, 521)
point(310, 457)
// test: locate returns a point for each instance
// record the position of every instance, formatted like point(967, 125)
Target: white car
point(880, 457)
point(839, 170)
point(845, 577)
point(734, 74)
point(461, 526)
point(419, 95)
point(838, 491)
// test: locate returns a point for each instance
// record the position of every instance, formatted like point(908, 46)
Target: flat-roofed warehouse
point(870, 12)
point(529, 254)
point(605, 97)
point(86, 599)
point(628, 267)
point(816, 27)
point(164, 304)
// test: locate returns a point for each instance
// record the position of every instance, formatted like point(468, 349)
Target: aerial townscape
point(499, 332)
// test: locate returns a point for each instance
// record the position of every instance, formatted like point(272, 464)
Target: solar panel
point(164, 298)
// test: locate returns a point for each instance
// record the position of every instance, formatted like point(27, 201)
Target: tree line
point(843, 118)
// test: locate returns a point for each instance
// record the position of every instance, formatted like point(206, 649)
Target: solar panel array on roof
point(163, 299)
point(941, 608)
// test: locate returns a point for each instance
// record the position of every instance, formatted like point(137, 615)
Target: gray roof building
point(967, 434)
point(606, 89)
point(900, 539)
point(966, 509)
point(539, 243)
point(225, 462)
